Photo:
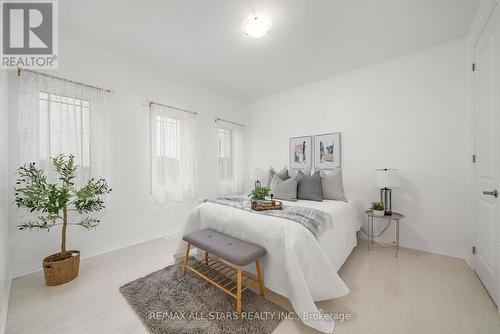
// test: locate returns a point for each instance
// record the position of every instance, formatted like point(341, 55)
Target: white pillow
point(282, 174)
point(332, 185)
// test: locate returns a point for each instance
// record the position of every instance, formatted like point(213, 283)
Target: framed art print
point(300, 152)
point(327, 151)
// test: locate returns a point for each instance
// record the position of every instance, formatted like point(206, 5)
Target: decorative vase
point(61, 268)
point(378, 213)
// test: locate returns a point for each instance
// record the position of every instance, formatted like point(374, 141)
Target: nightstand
point(394, 217)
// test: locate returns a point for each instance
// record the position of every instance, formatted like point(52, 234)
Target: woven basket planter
point(61, 268)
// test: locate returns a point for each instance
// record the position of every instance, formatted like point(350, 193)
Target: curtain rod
point(225, 120)
point(63, 79)
point(172, 107)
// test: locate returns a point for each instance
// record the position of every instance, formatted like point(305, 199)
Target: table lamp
point(385, 180)
point(256, 174)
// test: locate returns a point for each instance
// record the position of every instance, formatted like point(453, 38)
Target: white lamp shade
point(387, 178)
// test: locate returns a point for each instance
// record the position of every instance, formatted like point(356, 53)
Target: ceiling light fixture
point(256, 25)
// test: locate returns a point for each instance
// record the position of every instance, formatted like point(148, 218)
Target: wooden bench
point(229, 278)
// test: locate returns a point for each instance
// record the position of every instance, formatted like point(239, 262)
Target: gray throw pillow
point(282, 174)
point(284, 189)
point(332, 185)
point(309, 187)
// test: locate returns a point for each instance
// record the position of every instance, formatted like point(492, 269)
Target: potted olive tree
point(51, 202)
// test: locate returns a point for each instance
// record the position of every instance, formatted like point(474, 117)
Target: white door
point(486, 261)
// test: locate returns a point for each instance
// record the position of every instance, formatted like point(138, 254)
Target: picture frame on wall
point(300, 149)
point(327, 151)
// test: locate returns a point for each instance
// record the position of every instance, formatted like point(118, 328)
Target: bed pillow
point(309, 187)
point(282, 174)
point(284, 189)
point(332, 185)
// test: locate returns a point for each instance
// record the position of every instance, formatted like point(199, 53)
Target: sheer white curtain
point(173, 155)
point(57, 116)
point(231, 152)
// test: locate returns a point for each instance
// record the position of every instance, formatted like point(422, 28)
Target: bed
point(297, 265)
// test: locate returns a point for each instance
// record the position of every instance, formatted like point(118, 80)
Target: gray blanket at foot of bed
point(316, 221)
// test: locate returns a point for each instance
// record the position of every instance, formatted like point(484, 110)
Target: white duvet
point(296, 265)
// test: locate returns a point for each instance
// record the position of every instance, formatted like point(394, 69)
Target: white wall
point(408, 113)
point(131, 216)
point(4, 242)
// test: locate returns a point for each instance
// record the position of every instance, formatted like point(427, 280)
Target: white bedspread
point(296, 265)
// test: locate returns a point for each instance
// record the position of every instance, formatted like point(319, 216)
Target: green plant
point(259, 193)
point(52, 201)
point(377, 206)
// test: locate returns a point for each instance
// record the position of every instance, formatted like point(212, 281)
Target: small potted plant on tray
point(378, 209)
point(259, 194)
point(51, 202)
point(259, 201)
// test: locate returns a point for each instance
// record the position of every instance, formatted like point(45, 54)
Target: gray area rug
point(168, 302)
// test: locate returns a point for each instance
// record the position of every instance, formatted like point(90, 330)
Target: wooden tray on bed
point(277, 206)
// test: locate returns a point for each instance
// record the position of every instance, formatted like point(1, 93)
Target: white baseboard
point(36, 267)
point(434, 249)
point(4, 306)
point(173, 236)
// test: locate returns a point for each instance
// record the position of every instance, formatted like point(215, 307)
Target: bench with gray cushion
point(235, 251)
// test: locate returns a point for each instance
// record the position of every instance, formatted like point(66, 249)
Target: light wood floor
point(416, 293)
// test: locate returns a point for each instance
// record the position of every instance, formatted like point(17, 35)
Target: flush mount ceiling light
point(256, 25)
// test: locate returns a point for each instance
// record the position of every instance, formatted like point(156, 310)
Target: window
point(173, 167)
point(167, 153)
point(225, 154)
point(60, 115)
point(230, 158)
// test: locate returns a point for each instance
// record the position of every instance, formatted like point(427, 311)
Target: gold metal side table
point(394, 217)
